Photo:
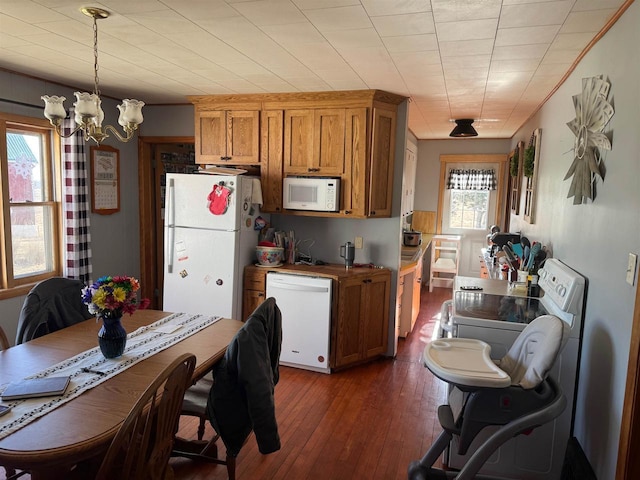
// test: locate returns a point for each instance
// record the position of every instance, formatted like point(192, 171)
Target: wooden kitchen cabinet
point(254, 291)
point(314, 141)
point(227, 137)
point(360, 309)
point(362, 323)
point(345, 134)
point(271, 159)
point(382, 159)
point(411, 279)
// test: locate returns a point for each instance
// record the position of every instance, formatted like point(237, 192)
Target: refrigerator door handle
point(300, 288)
point(171, 230)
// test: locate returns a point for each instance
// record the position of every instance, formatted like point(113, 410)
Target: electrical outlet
point(359, 242)
point(631, 268)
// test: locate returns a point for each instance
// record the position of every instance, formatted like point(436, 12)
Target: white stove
point(496, 315)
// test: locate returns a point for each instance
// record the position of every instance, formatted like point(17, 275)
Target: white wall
point(596, 238)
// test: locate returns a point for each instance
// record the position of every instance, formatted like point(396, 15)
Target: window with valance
point(471, 179)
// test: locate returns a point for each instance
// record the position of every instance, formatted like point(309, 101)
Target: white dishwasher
point(305, 303)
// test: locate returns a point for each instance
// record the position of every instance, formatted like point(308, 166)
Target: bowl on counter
point(269, 256)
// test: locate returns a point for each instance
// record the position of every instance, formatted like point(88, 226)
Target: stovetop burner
point(504, 308)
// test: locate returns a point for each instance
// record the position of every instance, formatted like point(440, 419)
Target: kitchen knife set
point(524, 256)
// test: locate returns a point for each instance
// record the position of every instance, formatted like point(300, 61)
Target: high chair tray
point(464, 361)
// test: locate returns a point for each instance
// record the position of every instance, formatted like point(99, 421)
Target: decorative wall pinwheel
point(593, 112)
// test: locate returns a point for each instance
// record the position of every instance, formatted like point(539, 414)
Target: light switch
point(631, 268)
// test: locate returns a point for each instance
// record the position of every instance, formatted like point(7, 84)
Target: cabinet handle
point(261, 294)
point(313, 169)
point(373, 212)
point(347, 212)
point(366, 280)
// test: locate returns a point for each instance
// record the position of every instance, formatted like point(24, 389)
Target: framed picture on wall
point(516, 159)
point(530, 170)
point(105, 180)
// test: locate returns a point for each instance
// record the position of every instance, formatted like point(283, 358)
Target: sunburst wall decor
point(593, 112)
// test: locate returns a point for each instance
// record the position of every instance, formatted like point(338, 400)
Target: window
point(30, 214)
point(468, 209)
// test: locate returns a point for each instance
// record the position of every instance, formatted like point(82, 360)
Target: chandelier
point(88, 106)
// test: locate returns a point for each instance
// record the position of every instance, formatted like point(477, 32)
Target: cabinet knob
point(347, 212)
point(373, 212)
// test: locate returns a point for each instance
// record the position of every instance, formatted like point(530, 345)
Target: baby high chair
point(514, 393)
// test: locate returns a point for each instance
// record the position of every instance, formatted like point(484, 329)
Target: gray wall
point(115, 238)
point(595, 238)
point(428, 171)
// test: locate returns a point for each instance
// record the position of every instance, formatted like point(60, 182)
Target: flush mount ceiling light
point(88, 106)
point(464, 128)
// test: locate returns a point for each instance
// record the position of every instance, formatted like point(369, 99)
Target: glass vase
point(112, 336)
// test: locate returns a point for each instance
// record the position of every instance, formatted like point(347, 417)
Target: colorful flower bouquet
point(111, 297)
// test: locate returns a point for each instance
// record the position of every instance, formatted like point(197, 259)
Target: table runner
point(141, 344)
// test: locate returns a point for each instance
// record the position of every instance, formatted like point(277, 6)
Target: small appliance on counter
point(348, 252)
point(412, 239)
point(498, 240)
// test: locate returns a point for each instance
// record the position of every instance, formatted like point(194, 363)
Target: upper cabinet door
point(271, 156)
point(228, 137)
point(382, 160)
point(211, 143)
point(298, 141)
point(314, 141)
point(243, 134)
point(328, 142)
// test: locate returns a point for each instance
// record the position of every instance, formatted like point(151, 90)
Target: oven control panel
point(562, 284)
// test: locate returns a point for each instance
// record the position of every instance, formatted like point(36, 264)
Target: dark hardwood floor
point(367, 422)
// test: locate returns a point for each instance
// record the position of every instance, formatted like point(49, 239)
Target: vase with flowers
point(108, 299)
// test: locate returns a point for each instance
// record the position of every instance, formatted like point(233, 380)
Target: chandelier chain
point(96, 82)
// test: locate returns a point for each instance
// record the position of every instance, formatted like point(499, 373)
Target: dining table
point(82, 429)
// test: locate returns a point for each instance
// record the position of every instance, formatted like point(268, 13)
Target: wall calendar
point(105, 180)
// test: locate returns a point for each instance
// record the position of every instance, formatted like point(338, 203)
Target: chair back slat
point(142, 447)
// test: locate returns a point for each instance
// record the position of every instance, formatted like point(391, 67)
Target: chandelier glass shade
point(88, 106)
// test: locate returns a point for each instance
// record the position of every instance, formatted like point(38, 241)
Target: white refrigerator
point(207, 246)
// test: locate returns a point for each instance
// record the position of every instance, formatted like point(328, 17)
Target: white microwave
point(320, 194)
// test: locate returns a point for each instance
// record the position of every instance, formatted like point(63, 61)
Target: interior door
point(157, 155)
point(473, 239)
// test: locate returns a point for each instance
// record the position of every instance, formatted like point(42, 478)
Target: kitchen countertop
point(409, 256)
point(337, 271)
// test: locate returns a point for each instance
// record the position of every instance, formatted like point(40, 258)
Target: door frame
point(628, 460)
point(147, 213)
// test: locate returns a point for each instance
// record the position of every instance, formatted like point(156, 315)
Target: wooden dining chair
point(142, 447)
point(198, 401)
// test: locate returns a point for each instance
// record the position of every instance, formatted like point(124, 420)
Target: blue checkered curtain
point(75, 205)
point(472, 179)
